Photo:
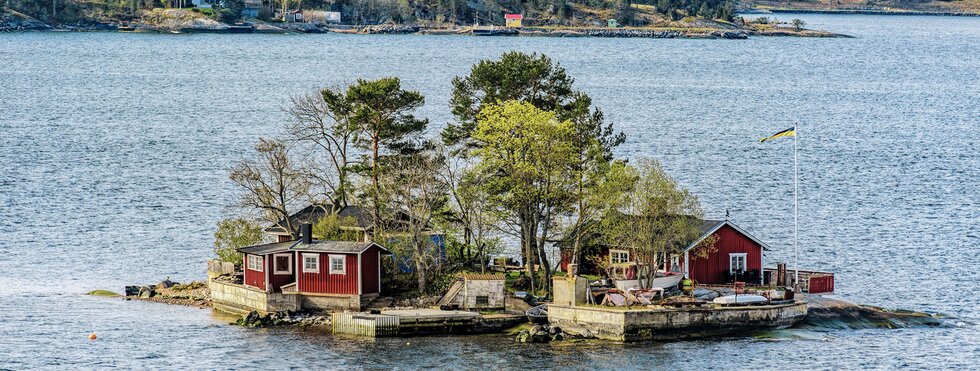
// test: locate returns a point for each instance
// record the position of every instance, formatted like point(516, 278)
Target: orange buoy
point(92, 336)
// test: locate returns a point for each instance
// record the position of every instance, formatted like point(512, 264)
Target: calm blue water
point(115, 150)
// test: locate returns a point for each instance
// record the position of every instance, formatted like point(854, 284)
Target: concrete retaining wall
point(333, 302)
point(568, 291)
point(239, 299)
point(666, 324)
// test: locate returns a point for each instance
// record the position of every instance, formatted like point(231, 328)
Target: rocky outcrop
point(170, 292)
point(389, 29)
point(540, 334)
point(828, 313)
point(13, 21)
point(286, 318)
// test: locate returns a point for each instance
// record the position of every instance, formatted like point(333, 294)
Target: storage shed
point(475, 292)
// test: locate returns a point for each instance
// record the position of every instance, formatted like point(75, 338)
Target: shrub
point(233, 234)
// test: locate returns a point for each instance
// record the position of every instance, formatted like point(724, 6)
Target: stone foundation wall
point(664, 324)
point(240, 299)
point(328, 302)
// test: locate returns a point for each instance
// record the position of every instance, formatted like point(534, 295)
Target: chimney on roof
point(306, 232)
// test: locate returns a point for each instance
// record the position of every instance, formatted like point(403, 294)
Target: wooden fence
point(219, 267)
point(812, 282)
point(360, 324)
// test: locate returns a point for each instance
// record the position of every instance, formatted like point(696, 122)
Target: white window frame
point(343, 264)
point(614, 253)
point(255, 262)
point(289, 264)
point(316, 258)
point(740, 255)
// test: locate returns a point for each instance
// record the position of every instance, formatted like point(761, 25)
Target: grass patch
point(105, 293)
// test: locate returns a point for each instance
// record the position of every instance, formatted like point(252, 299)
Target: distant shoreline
point(859, 11)
point(621, 32)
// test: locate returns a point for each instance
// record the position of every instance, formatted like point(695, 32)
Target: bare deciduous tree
point(415, 194)
point(272, 184)
point(469, 206)
point(323, 121)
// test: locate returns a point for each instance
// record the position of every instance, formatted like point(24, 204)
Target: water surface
point(115, 151)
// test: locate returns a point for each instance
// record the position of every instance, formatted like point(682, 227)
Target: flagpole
point(796, 213)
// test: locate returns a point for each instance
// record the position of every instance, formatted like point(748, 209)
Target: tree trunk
point(527, 247)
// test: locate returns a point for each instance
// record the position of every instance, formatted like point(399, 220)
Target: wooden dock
point(419, 322)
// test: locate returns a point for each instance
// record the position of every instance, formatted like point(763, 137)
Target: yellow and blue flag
point(791, 132)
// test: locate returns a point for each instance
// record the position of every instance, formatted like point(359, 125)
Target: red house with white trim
point(324, 274)
point(736, 254)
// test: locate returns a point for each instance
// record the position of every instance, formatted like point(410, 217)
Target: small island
point(517, 217)
point(621, 19)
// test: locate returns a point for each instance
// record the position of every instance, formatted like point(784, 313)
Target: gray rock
point(557, 337)
point(166, 284)
point(587, 334)
point(540, 337)
point(554, 330)
point(147, 292)
point(523, 336)
point(132, 290)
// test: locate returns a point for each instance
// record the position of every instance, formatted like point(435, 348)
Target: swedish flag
point(791, 132)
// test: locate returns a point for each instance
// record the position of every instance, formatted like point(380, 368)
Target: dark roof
point(268, 248)
point(312, 214)
point(709, 225)
point(343, 247)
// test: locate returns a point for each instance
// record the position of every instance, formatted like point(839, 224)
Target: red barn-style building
point(326, 274)
point(737, 254)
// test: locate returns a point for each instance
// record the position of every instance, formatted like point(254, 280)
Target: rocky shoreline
point(30, 24)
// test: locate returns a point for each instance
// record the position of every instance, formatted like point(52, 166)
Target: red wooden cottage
point(737, 254)
point(326, 274)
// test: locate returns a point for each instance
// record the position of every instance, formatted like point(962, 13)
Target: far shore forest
point(448, 13)
point(528, 160)
point(421, 12)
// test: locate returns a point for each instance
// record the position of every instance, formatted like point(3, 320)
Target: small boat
point(664, 281)
point(538, 315)
point(740, 299)
point(667, 281)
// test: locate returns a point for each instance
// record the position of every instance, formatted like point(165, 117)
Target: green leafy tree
point(333, 227)
point(655, 217)
point(383, 113)
point(516, 76)
point(233, 234)
point(526, 155)
point(593, 144)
